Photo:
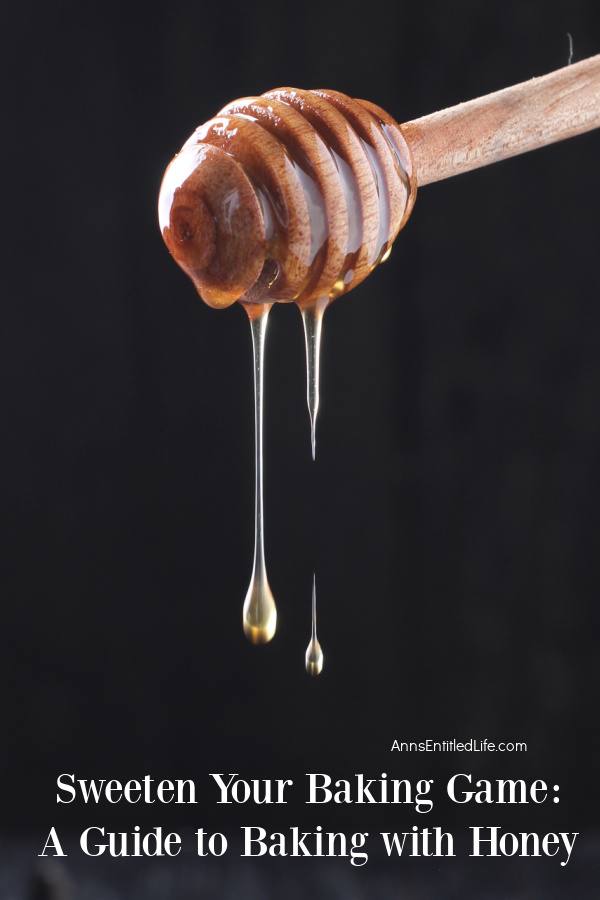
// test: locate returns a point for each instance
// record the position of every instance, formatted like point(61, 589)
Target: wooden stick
point(524, 117)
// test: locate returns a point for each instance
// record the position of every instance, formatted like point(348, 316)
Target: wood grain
point(538, 112)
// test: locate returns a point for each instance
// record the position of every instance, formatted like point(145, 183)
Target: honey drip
point(293, 196)
point(314, 654)
point(260, 611)
point(312, 319)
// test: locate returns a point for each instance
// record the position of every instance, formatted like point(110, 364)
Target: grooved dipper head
point(292, 196)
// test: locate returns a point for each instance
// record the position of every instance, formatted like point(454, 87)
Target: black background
point(451, 516)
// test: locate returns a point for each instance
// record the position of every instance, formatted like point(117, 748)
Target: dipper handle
point(520, 118)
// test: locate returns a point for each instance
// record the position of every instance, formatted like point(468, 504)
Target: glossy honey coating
point(291, 196)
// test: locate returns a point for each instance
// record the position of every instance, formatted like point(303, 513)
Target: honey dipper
point(297, 196)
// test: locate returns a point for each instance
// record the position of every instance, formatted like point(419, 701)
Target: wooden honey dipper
point(298, 195)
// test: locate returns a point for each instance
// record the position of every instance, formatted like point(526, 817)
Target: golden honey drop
point(314, 653)
point(260, 612)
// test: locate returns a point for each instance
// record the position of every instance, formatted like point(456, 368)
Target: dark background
point(451, 516)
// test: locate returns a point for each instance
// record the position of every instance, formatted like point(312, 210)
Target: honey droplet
point(260, 612)
point(314, 653)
